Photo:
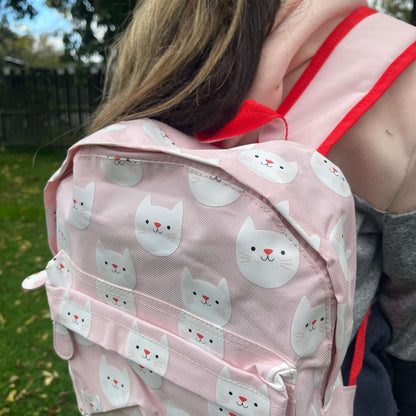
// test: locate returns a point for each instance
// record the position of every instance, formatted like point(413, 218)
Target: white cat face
point(338, 242)
point(269, 165)
point(172, 410)
point(115, 268)
point(157, 134)
point(215, 409)
point(207, 301)
point(330, 175)
point(74, 316)
point(62, 238)
point(241, 398)
point(207, 337)
point(147, 352)
point(158, 229)
point(211, 190)
point(119, 299)
point(81, 206)
point(91, 403)
point(121, 171)
point(309, 328)
point(59, 272)
point(266, 258)
point(115, 384)
point(151, 379)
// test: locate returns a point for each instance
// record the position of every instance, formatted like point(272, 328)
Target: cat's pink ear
point(35, 281)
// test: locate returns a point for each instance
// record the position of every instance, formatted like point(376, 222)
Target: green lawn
point(33, 380)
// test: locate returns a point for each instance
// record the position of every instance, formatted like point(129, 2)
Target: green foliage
point(38, 54)
point(401, 9)
point(33, 380)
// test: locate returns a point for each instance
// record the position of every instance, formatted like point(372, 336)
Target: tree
point(96, 23)
point(35, 53)
point(402, 9)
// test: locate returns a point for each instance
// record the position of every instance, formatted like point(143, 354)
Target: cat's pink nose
point(147, 352)
point(157, 224)
point(314, 322)
point(116, 158)
point(200, 336)
point(205, 297)
point(62, 266)
point(268, 251)
point(76, 317)
point(243, 399)
point(75, 201)
point(269, 161)
point(115, 300)
point(115, 381)
point(115, 266)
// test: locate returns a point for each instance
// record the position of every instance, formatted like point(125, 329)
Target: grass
point(33, 380)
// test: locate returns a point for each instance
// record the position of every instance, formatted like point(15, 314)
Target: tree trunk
point(413, 18)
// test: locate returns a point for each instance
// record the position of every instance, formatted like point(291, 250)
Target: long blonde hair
point(188, 63)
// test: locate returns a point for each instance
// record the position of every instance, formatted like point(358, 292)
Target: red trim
point(357, 359)
point(251, 116)
point(379, 88)
point(322, 55)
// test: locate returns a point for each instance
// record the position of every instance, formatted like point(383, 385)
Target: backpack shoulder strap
point(352, 69)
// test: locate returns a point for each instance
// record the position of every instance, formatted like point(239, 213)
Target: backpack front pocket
point(120, 361)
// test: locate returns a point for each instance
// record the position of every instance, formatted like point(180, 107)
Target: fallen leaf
point(11, 396)
point(30, 320)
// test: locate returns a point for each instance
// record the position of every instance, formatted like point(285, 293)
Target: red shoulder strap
point(355, 65)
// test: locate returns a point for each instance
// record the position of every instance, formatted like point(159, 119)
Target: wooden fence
point(41, 106)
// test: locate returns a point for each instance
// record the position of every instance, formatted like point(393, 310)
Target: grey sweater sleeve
point(398, 284)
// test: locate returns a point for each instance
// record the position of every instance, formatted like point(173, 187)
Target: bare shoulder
point(377, 155)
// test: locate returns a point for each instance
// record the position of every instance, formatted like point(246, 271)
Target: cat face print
point(75, 316)
point(269, 165)
point(215, 409)
point(157, 134)
point(330, 175)
point(338, 242)
point(211, 190)
point(158, 229)
point(241, 398)
point(81, 206)
point(115, 268)
point(115, 384)
point(309, 327)
point(205, 336)
point(150, 378)
point(92, 403)
point(266, 258)
point(209, 302)
point(119, 299)
point(62, 238)
point(172, 410)
point(59, 272)
point(121, 171)
point(147, 352)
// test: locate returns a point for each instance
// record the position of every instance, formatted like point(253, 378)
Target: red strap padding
point(357, 359)
point(251, 116)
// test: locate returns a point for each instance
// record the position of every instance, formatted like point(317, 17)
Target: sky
point(46, 21)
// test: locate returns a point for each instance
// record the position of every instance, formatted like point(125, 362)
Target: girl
point(191, 64)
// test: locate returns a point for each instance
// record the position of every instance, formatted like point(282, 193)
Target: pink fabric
point(231, 207)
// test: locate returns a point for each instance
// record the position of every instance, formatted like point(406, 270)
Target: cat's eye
point(137, 347)
point(256, 405)
point(156, 356)
point(194, 293)
point(257, 156)
point(283, 252)
point(230, 393)
point(125, 302)
point(69, 313)
point(211, 341)
point(82, 204)
point(124, 269)
point(253, 248)
point(168, 227)
point(189, 330)
point(221, 409)
point(217, 302)
point(322, 319)
point(282, 167)
point(147, 221)
point(106, 262)
point(306, 325)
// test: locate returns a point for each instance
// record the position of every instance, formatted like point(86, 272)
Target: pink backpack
point(189, 280)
